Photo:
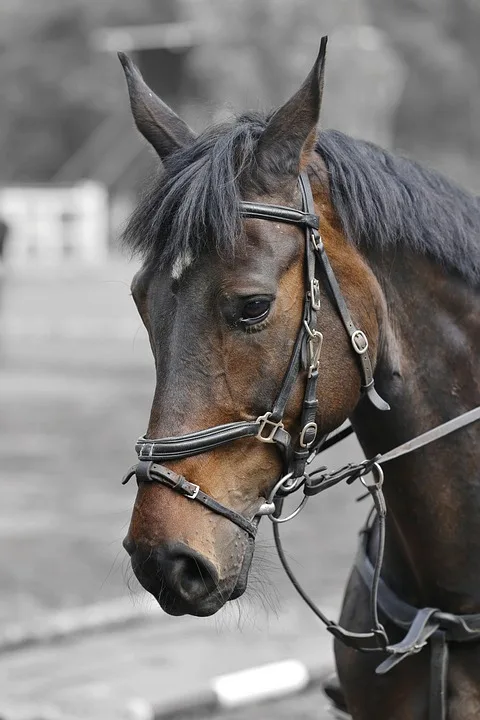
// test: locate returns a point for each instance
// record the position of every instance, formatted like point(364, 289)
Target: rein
point(423, 625)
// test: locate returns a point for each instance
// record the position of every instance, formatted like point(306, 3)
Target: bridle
point(269, 427)
point(423, 625)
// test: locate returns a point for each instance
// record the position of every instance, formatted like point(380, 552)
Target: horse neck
point(428, 370)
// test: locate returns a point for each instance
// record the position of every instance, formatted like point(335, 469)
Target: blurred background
point(78, 639)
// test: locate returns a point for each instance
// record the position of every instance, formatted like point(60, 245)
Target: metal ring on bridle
point(269, 507)
point(377, 478)
point(284, 486)
point(298, 509)
point(288, 489)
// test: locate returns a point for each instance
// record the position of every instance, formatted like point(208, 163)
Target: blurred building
point(52, 225)
point(114, 156)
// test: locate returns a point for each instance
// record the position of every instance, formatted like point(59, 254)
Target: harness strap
point(459, 628)
point(376, 639)
point(425, 626)
point(438, 676)
point(432, 435)
point(351, 472)
point(289, 379)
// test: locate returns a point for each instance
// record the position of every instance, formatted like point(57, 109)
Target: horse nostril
point(189, 575)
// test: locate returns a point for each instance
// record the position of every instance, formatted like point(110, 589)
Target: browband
point(278, 212)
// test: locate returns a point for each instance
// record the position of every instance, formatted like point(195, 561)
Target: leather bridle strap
point(265, 211)
point(153, 472)
point(424, 625)
point(436, 433)
point(319, 480)
point(182, 446)
point(357, 337)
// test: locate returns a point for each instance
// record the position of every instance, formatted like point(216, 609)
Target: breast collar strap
point(269, 427)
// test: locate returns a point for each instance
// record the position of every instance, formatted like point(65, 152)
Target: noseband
point(269, 427)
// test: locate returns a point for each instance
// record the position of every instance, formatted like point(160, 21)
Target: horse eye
point(255, 310)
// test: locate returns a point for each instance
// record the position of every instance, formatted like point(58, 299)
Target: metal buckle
point(306, 428)
point(194, 493)
point(315, 294)
point(358, 337)
point(146, 450)
point(266, 508)
point(316, 239)
point(264, 421)
point(314, 348)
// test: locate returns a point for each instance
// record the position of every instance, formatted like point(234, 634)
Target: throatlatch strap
point(357, 337)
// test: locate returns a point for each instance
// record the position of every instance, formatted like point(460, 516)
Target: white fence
point(54, 225)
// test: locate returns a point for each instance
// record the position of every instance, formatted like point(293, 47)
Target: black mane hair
point(381, 200)
point(192, 207)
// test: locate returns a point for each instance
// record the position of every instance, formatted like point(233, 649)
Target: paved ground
point(76, 381)
point(307, 706)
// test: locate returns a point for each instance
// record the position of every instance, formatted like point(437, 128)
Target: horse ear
point(290, 135)
point(163, 129)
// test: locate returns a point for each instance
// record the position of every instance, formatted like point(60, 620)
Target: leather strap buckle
point(271, 427)
point(191, 495)
point(359, 342)
point(314, 294)
point(316, 240)
point(314, 348)
point(308, 429)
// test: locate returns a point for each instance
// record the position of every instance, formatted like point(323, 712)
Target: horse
point(293, 278)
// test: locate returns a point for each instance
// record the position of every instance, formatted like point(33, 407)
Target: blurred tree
point(266, 49)
point(259, 51)
point(438, 120)
point(55, 90)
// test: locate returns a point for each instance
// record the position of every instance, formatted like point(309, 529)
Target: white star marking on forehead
point(180, 264)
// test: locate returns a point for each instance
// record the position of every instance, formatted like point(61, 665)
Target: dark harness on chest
point(425, 625)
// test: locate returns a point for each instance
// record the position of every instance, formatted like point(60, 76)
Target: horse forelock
point(192, 206)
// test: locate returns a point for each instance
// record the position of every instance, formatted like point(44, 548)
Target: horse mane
point(381, 199)
point(384, 199)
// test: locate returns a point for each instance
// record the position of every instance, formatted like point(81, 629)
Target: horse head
point(222, 297)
